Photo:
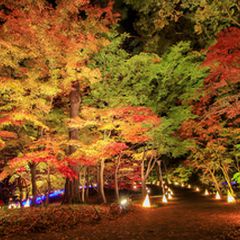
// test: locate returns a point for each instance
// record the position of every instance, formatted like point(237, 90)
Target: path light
point(182, 185)
point(164, 199)
point(230, 198)
point(197, 189)
point(146, 202)
point(206, 193)
point(170, 196)
point(27, 204)
point(170, 190)
point(176, 183)
point(123, 201)
point(189, 186)
point(217, 197)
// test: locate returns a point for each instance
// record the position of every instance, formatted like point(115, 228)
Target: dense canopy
point(112, 94)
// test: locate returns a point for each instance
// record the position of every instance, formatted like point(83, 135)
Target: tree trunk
point(48, 185)
point(20, 186)
point(83, 182)
point(72, 193)
point(87, 183)
point(144, 191)
point(227, 178)
point(215, 181)
point(32, 167)
point(160, 175)
point(116, 178)
point(102, 181)
point(99, 196)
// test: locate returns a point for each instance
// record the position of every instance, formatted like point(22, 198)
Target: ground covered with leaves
point(53, 219)
point(189, 216)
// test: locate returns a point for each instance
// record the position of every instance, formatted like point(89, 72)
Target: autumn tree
point(44, 52)
point(165, 84)
point(216, 128)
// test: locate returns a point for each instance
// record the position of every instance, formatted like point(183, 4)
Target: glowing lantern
point(166, 187)
point(27, 204)
point(164, 199)
point(134, 187)
point(124, 201)
point(230, 198)
point(206, 193)
point(170, 196)
point(171, 192)
point(197, 189)
point(217, 196)
point(146, 202)
point(11, 206)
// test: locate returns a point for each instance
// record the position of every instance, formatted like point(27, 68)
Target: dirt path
point(189, 216)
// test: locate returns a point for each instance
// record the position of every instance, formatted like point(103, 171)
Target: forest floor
point(189, 216)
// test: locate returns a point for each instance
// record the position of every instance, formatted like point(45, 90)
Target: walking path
point(189, 216)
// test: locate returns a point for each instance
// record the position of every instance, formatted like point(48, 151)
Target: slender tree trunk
point(72, 193)
point(102, 181)
point(83, 184)
point(48, 185)
point(116, 177)
point(215, 181)
point(32, 167)
point(20, 186)
point(226, 176)
point(144, 191)
point(99, 196)
point(87, 183)
point(160, 175)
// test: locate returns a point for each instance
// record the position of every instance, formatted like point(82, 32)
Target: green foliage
point(236, 177)
point(167, 142)
point(180, 174)
point(167, 85)
point(161, 22)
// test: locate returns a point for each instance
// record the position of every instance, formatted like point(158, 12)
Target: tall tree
point(44, 54)
point(216, 128)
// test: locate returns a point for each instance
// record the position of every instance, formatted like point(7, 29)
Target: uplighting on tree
point(124, 202)
point(217, 197)
point(206, 193)
point(27, 204)
point(171, 192)
point(164, 199)
point(230, 198)
point(170, 196)
point(146, 202)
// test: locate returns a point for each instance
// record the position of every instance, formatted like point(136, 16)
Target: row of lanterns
point(230, 197)
point(168, 195)
point(147, 204)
